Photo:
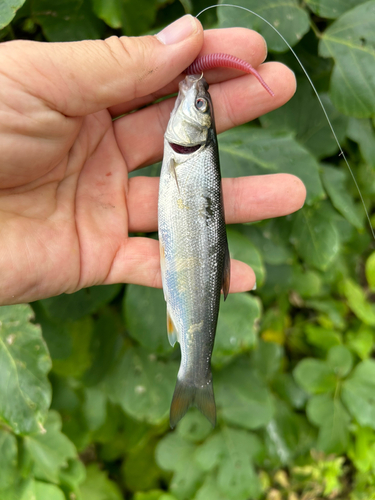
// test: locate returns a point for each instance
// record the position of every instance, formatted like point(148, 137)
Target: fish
point(194, 253)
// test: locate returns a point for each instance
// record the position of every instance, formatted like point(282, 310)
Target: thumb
point(78, 78)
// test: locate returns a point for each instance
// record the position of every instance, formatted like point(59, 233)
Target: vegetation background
point(294, 373)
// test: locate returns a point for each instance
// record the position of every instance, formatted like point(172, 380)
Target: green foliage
point(294, 379)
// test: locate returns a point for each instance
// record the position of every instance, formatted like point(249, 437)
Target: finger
point(78, 78)
point(246, 199)
point(243, 43)
point(138, 262)
point(235, 101)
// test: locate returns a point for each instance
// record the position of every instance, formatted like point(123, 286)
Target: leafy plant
point(86, 379)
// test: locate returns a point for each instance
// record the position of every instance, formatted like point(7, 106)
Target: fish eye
point(201, 104)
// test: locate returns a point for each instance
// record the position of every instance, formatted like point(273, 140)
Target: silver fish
point(194, 251)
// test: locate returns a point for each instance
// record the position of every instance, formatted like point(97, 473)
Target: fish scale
point(194, 252)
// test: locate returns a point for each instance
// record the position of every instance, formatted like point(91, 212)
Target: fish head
point(192, 116)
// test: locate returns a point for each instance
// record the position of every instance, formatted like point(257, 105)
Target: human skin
point(66, 203)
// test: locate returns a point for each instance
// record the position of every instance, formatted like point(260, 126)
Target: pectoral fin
point(226, 272)
point(173, 165)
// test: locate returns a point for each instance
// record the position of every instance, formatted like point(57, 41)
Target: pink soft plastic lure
point(211, 61)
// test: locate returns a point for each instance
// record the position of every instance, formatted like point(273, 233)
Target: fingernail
point(255, 286)
point(178, 31)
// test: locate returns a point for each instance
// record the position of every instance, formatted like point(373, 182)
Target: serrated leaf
point(358, 303)
point(242, 397)
point(145, 316)
point(97, 486)
point(25, 392)
point(67, 20)
point(252, 151)
point(287, 16)
point(8, 459)
point(315, 376)
point(237, 327)
point(50, 449)
point(350, 41)
point(241, 248)
point(8, 9)
point(333, 421)
point(71, 307)
point(358, 393)
point(142, 385)
point(334, 181)
point(331, 8)
point(303, 116)
point(315, 237)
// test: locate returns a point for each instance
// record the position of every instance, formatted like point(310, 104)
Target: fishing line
point(315, 91)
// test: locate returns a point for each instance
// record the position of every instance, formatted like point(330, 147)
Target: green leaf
point(362, 132)
point(237, 327)
point(266, 359)
point(340, 360)
point(358, 393)
point(139, 460)
point(79, 336)
point(350, 41)
point(8, 459)
point(154, 495)
point(241, 248)
point(95, 408)
point(324, 338)
point(242, 396)
point(333, 421)
point(236, 475)
point(272, 240)
point(71, 307)
point(25, 392)
point(287, 436)
point(110, 11)
point(315, 237)
point(67, 20)
point(145, 316)
point(45, 491)
point(360, 341)
point(286, 16)
point(209, 454)
point(303, 116)
point(8, 9)
point(252, 151)
point(331, 8)
point(315, 376)
point(210, 490)
point(370, 271)
point(142, 385)
point(286, 388)
point(335, 182)
point(174, 453)
point(194, 427)
point(98, 487)
point(50, 450)
point(358, 303)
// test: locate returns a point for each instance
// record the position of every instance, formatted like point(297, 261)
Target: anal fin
point(171, 329)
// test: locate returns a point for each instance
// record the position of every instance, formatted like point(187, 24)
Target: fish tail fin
point(187, 395)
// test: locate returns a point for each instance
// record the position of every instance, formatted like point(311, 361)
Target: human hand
point(66, 204)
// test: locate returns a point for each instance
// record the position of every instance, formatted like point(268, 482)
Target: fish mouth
point(184, 150)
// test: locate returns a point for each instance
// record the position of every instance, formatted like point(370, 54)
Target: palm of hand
point(68, 213)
